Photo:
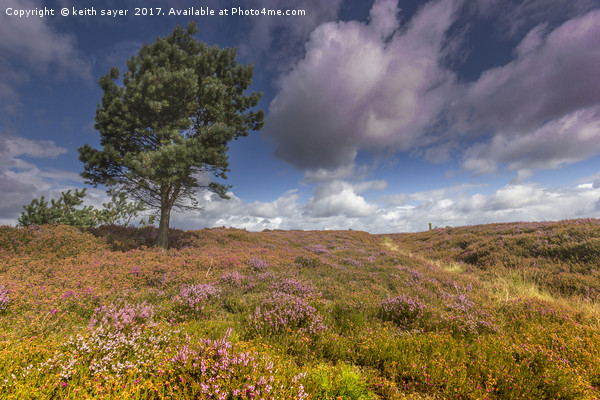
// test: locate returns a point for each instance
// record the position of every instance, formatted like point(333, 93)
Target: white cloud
point(567, 140)
point(339, 198)
point(514, 202)
point(384, 17)
point(35, 42)
point(339, 205)
point(282, 213)
point(14, 146)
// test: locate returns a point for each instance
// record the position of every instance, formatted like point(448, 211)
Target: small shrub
point(282, 312)
point(294, 287)
point(340, 382)
point(216, 369)
point(107, 351)
point(193, 298)
point(258, 264)
point(123, 317)
point(318, 249)
point(352, 262)
point(233, 279)
point(308, 262)
point(405, 311)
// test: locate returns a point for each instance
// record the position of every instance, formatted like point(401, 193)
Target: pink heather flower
point(4, 299)
point(195, 296)
point(124, 316)
point(257, 264)
point(318, 249)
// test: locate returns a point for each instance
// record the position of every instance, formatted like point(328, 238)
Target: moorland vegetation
point(501, 311)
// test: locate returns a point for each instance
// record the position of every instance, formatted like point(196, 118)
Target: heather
point(500, 311)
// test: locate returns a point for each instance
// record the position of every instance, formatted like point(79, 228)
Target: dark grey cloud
point(543, 108)
point(363, 86)
point(21, 181)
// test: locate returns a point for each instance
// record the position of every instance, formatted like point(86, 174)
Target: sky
point(380, 116)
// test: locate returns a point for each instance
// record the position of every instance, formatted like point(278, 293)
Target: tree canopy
point(165, 131)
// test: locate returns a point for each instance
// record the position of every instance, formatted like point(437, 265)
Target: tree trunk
point(163, 227)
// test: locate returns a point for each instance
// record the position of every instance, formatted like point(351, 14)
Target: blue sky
point(381, 116)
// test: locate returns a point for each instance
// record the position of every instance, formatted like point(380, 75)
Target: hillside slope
point(496, 311)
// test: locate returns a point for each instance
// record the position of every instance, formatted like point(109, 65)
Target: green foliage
point(340, 382)
point(165, 132)
point(63, 211)
point(118, 211)
point(60, 212)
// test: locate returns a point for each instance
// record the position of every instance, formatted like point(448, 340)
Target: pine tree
point(165, 131)
point(64, 211)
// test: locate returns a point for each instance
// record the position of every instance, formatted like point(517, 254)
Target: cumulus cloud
point(338, 198)
point(281, 213)
point(330, 205)
point(363, 86)
point(572, 138)
point(14, 146)
point(515, 202)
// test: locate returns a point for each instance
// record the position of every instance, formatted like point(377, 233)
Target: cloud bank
point(340, 205)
